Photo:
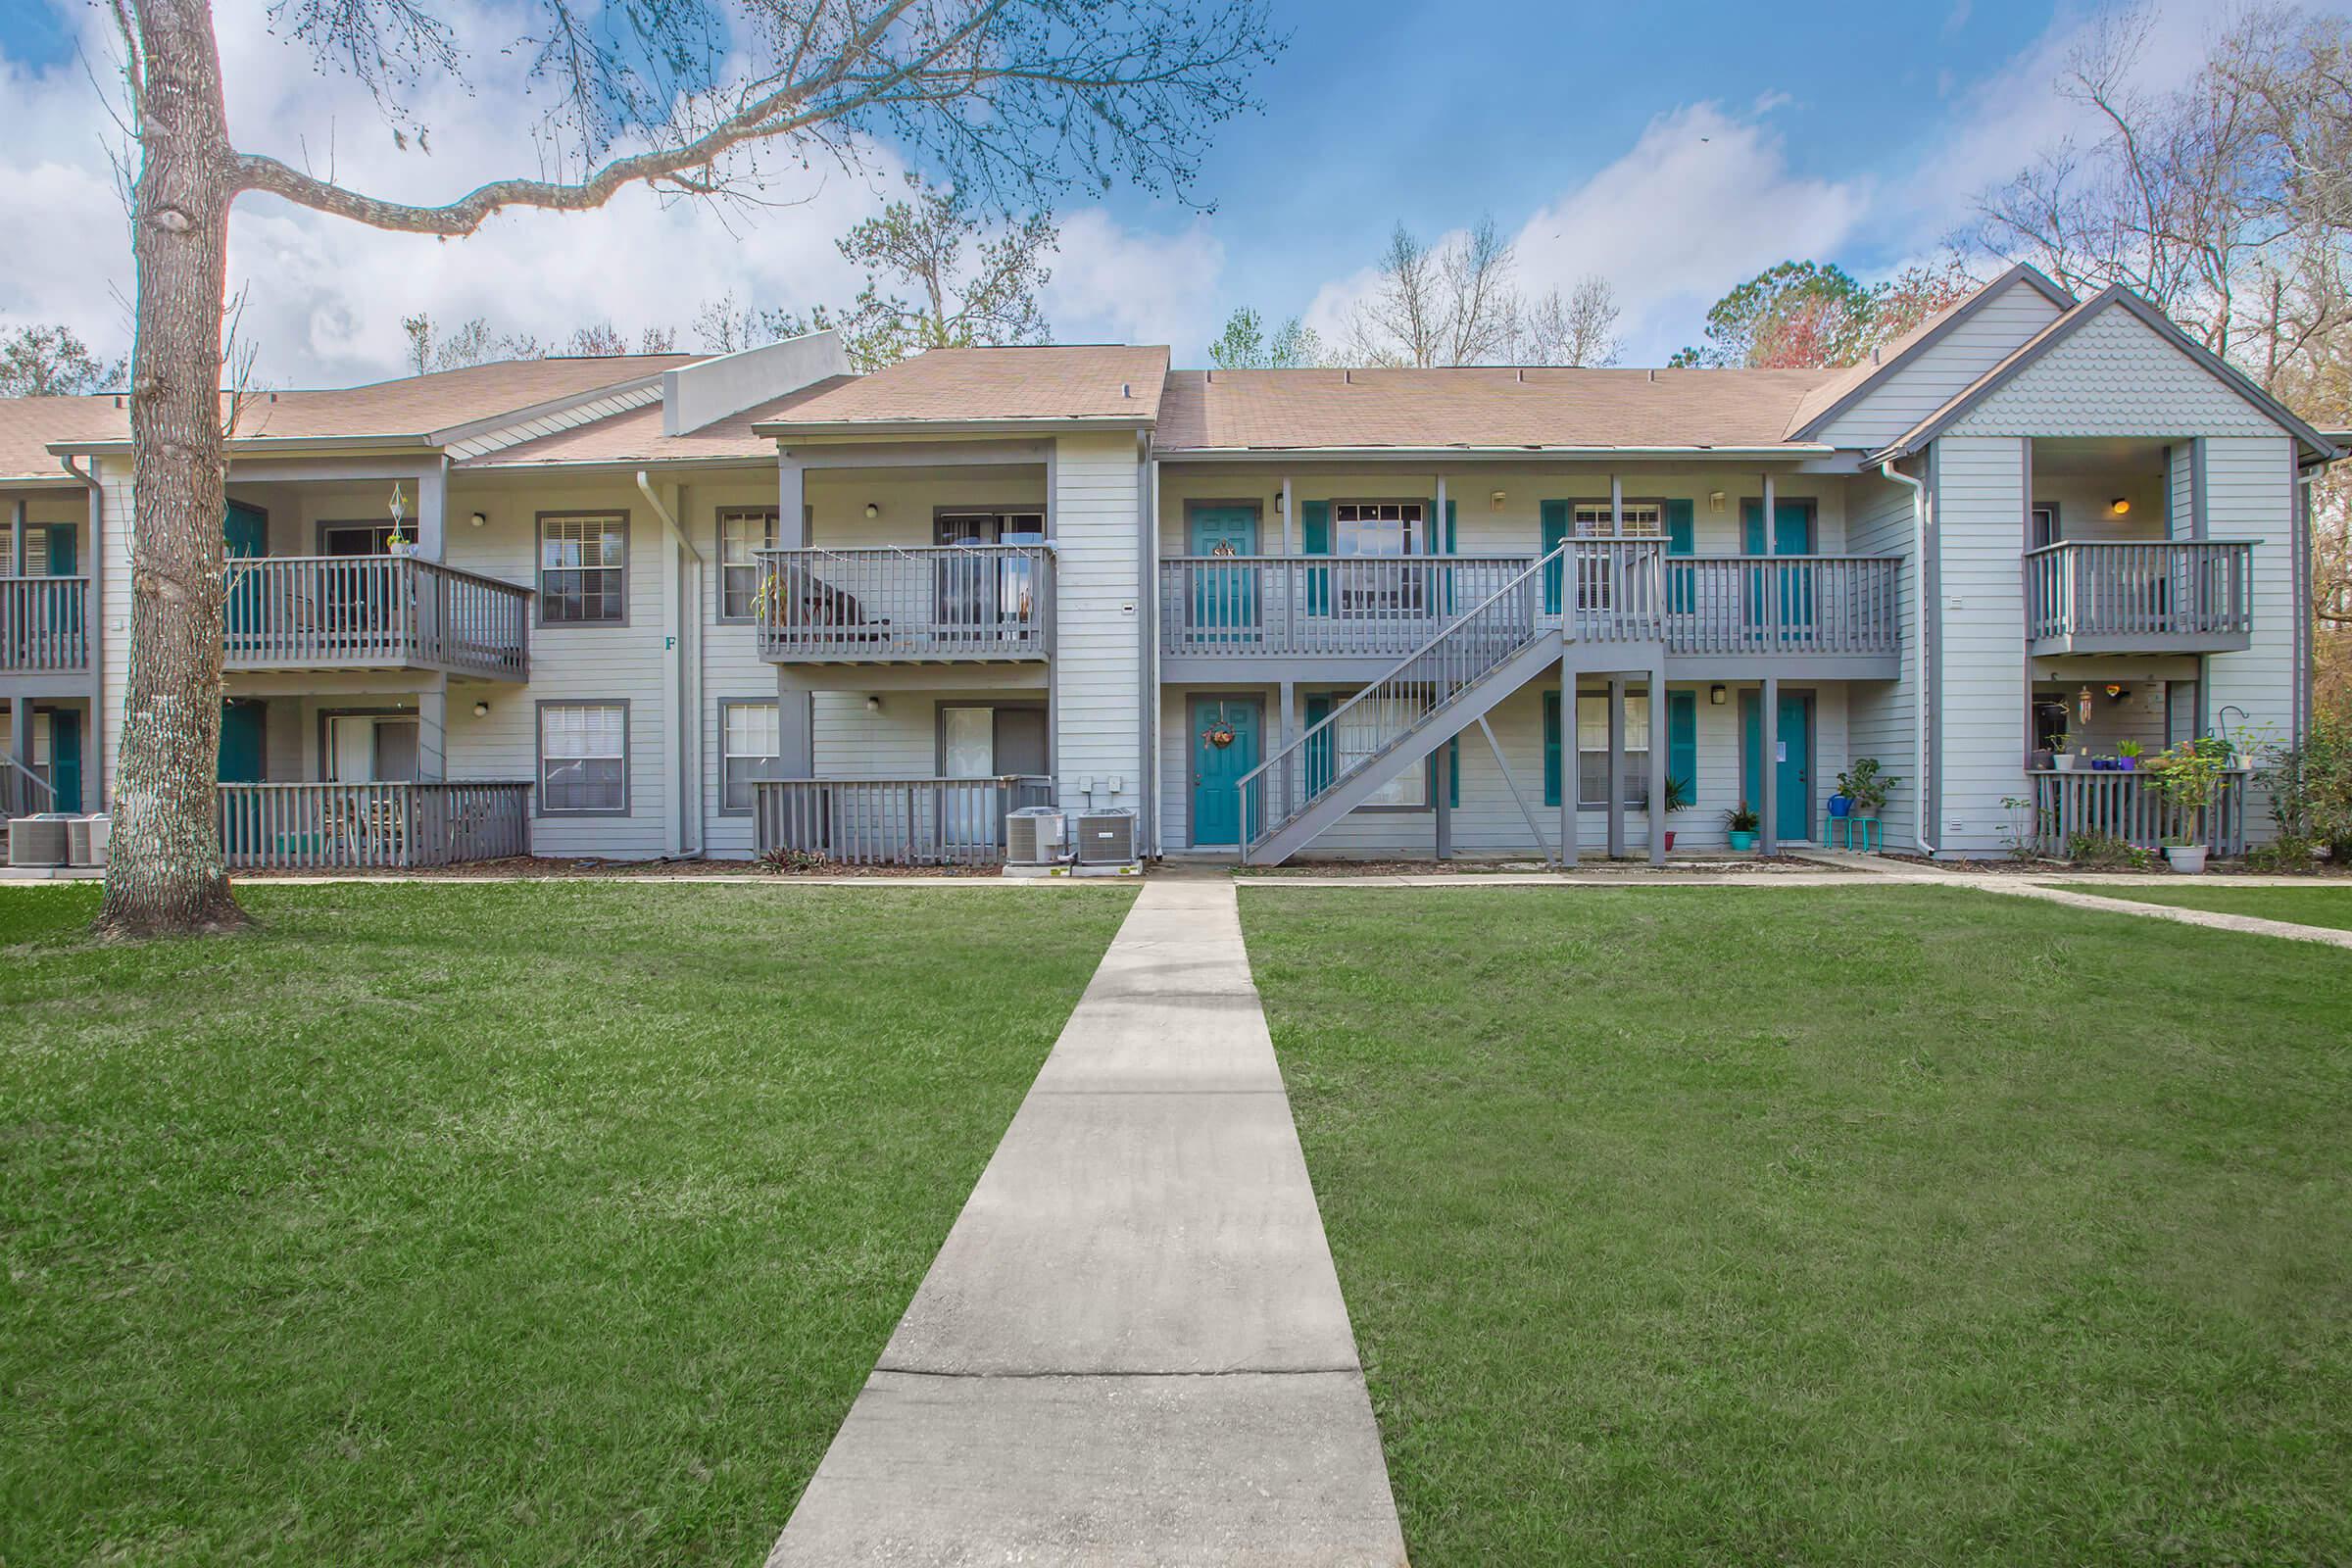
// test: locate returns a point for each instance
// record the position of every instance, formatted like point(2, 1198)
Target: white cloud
point(1115, 284)
point(324, 297)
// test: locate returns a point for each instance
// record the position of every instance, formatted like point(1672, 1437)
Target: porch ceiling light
point(481, 519)
point(872, 511)
point(481, 709)
point(873, 705)
point(2120, 506)
point(1717, 695)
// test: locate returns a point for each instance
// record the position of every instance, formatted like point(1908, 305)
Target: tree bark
point(165, 872)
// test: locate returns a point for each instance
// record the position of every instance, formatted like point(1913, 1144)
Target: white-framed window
point(583, 568)
point(1377, 532)
point(1379, 528)
point(583, 758)
point(1593, 749)
point(1643, 519)
point(742, 530)
point(749, 751)
point(1364, 729)
point(2046, 528)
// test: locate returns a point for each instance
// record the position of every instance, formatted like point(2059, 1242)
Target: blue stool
point(1854, 828)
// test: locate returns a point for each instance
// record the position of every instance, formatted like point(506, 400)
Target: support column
point(432, 732)
point(1437, 524)
point(20, 731)
point(1771, 509)
point(1438, 772)
point(1658, 819)
point(433, 505)
point(16, 557)
point(1768, 754)
point(1567, 763)
point(1616, 760)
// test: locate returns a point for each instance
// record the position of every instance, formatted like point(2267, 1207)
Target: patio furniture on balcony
point(936, 604)
point(373, 613)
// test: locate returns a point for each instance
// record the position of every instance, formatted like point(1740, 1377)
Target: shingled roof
point(1108, 384)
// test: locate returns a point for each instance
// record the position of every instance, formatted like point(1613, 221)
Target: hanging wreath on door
point(1219, 734)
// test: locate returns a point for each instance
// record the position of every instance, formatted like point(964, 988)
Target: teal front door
point(242, 734)
point(1790, 586)
point(1225, 746)
point(1793, 762)
point(64, 758)
point(1224, 599)
point(245, 531)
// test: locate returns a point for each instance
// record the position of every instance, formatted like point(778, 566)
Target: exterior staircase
point(1459, 675)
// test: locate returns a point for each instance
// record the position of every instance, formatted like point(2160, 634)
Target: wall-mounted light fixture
point(481, 519)
point(1494, 502)
point(872, 511)
point(481, 709)
point(1714, 500)
point(873, 705)
point(2120, 507)
point(1717, 695)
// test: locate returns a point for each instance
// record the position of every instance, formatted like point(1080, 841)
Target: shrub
point(2104, 852)
point(791, 862)
point(2288, 853)
point(2311, 785)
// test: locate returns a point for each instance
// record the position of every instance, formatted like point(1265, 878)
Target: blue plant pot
point(1840, 806)
point(1743, 842)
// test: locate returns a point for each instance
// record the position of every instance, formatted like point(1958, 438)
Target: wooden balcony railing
point(373, 613)
point(1614, 590)
point(371, 827)
point(2193, 595)
point(872, 606)
point(44, 625)
point(893, 821)
point(2130, 807)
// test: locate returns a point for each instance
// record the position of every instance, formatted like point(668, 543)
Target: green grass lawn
point(1872, 1226)
point(535, 1224)
point(2307, 903)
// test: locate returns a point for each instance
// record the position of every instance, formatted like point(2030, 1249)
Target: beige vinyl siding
point(1884, 715)
point(1980, 508)
point(1936, 374)
point(1098, 620)
point(731, 666)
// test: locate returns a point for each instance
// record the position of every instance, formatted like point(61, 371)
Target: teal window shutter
point(1318, 746)
point(1682, 595)
point(1682, 742)
point(60, 549)
point(1555, 533)
point(1453, 772)
point(1551, 748)
point(1450, 513)
point(1314, 539)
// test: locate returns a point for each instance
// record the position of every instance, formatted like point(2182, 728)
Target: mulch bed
point(1729, 865)
point(553, 869)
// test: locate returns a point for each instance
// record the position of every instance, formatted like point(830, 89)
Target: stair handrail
point(32, 778)
point(1378, 688)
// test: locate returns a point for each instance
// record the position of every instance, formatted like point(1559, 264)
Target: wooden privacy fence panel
point(2157, 588)
point(44, 625)
point(977, 602)
point(373, 826)
point(2130, 807)
point(312, 612)
point(893, 821)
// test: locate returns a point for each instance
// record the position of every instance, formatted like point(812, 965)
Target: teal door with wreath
point(1225, 746)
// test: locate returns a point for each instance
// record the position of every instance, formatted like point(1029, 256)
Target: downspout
point(690, 716)
point(1919, 646)
point(93, 623)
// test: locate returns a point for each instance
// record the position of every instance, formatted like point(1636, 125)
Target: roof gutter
point(1919, 647)
point(95, 629)
point(645, 488)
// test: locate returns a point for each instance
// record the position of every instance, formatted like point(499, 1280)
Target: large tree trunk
point(163, 869)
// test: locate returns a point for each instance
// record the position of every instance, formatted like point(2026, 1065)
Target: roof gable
point(1881, 397)
point(2113, 365)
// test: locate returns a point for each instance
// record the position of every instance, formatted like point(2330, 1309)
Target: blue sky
point(1672, 149)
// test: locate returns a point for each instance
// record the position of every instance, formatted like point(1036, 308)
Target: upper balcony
point(1703, 609)
point(373, 613)
point(2140, 596)
point(44, 625)
point(944, 603)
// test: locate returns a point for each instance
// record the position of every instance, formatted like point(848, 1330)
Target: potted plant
point(1678, 798)
point(1865, 787)
point(2062, 752)
point(2128, 754)
point(1742, 824)
point(2185, 776)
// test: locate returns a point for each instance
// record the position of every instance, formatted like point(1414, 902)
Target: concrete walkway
point(1132, 1348)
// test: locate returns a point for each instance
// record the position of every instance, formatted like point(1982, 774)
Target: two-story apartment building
point(683, 606)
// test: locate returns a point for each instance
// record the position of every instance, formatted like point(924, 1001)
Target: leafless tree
point(1433, 305)
point(1577, 329)
point(1012, 101)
